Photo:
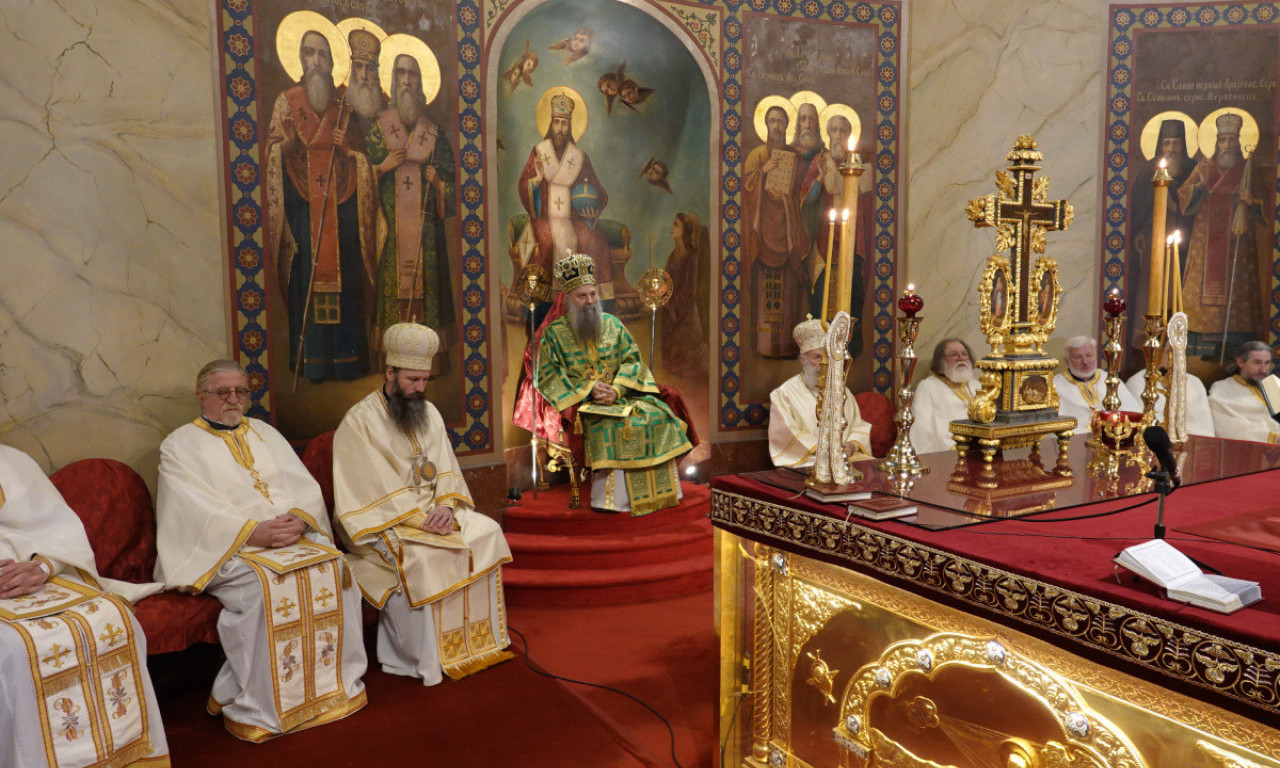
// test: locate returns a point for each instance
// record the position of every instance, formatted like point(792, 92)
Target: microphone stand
point(1164, 486)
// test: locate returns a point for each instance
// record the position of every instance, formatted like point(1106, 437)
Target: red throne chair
point(115, 507)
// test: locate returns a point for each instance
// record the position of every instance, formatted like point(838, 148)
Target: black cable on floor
point(528, 660)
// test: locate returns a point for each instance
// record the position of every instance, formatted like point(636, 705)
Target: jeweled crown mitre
point(575, 271)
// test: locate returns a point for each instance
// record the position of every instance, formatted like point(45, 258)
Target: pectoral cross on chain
point(1022, 213)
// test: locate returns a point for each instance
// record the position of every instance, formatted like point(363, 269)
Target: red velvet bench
point(115, 507)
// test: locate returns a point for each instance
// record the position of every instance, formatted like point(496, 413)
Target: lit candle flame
point(1176, 237)
point(1163, 163)
point(844, 215)
point(851, 150)
point(833, 215)
point(911, 287)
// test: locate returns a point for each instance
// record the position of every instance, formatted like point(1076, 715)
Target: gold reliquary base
point(991, 438)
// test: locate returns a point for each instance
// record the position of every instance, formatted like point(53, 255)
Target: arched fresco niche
point(636, 171)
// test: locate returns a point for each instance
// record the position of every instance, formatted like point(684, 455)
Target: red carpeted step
point(606, 586)
point(666, 544)
point(549, 513)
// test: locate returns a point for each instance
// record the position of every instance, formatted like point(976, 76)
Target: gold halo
point(855, 122)
point(1150, 138)
point(409, 45)
point(542, 115)
point(774, 100)
point(1209, 132)
point(289, 40)
point(808, 97)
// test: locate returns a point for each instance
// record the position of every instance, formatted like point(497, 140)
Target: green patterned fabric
point(637, 431)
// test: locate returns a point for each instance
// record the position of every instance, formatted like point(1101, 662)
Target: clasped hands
point(439, 521)
point(603, 393)
point(18, 579)
point(280, 531)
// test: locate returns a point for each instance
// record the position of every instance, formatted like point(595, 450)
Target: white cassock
point(290, 624)
point(440, 596)
point(1199, 418)
point(938, 401)
point(1240, 413)
point(1081, 398)
point(74, 688)
point(793, 424)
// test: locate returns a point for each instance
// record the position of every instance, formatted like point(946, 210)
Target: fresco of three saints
point(1220, 205)
point(359, 183)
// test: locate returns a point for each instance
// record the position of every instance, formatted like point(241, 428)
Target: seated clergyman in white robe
point(240, 517)
point(943, 397)
point(420, 551)
point(1083, 387)
point(1239, 410)
point(793, 409)
point(74, 688)
point(1199, 417)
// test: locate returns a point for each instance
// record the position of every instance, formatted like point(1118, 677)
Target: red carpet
point(579, 557)
point(663, 652)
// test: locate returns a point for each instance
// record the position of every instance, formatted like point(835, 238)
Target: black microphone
point(1158, 441)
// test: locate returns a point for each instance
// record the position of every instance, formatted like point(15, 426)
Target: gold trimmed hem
point(477, 663)
point(256, 735)
point(154, 761)
point(466, 582)
point(374, 503)
point(246, 531)
point(645, 463)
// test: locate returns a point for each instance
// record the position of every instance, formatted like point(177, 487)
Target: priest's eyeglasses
point(226, 392)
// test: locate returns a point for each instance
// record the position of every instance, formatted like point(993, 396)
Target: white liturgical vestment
point(74, 688)
point(440, 595)
point(1240, 413)
point(290, 625)
point(938, 401)
point(1199, 419)
point(793, 424)
point(1081, 398)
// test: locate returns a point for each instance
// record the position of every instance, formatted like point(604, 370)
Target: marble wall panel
point(112, 296)
point(981, 73)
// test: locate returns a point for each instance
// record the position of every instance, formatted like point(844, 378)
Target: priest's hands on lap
point(439, 521)
point(18, 579)
point(279, 531)
point(603, 393)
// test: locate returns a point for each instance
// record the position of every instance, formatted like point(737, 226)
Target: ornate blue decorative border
point(886, 18)
point(1126, 20)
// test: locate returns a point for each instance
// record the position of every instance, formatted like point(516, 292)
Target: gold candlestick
point(851, 169)
point(902, 458)
point(1161, 182)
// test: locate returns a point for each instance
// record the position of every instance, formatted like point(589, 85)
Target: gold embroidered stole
point(304, 636)
point(88, 684)
point(237, 442)
point(1087, 390)
point(1242, 381)
point(961, 390)
point(469, 620)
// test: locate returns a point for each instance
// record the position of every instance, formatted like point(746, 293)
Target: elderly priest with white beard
point(1083, 387)
point(74, 688)
point(240, 517)
point(420, 551)
point(591, 372)
point(943, 397)
point(793, 418)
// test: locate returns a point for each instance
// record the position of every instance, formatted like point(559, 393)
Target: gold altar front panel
point(822, 666)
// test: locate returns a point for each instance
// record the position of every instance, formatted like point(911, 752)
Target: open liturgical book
point(1158, 562)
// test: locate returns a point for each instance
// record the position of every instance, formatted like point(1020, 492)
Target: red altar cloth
point(1077, 554)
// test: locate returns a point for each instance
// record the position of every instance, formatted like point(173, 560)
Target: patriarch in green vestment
point(590, 370)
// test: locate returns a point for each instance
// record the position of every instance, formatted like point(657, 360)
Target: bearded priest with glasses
point(420, 551)
point(239, 516)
